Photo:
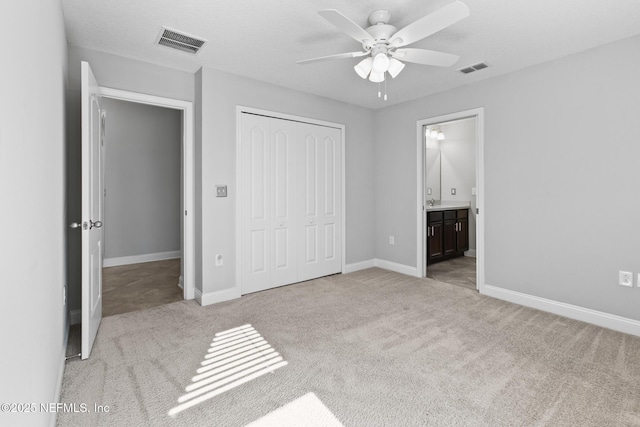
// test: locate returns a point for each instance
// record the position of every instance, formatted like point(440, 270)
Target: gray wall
point(32, 218)
point(119, 73)
point(216, 160)
point(142, 179)
point(458, 157)
point(550, 232)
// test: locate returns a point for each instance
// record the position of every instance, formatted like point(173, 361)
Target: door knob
point(281, 224)
point(96, 224)
point(83, 225)
point(310, 221)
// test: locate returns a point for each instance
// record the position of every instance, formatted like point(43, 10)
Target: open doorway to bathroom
point(450, 192)
point(449, 195)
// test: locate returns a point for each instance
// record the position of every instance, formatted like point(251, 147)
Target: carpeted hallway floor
point(375, 348)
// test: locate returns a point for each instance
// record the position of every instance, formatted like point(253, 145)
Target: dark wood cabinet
point(447, 234)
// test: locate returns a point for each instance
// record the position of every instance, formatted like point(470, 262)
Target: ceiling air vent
point(181, 41)
point(472, 68)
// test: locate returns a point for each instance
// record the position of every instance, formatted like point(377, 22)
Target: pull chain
point(385, 89)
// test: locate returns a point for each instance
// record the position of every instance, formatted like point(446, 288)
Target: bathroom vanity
point(447, 232)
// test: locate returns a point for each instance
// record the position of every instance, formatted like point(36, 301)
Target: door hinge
point(477, 210)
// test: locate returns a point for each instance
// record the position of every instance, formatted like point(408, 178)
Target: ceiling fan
point(382, 44)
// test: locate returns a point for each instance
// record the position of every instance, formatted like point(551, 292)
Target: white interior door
point(320, 181)
point(268, 213)
point(92, 190)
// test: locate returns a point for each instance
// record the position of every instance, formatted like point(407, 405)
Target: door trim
point(421, 261)
point(240, 109)
point(188, 175)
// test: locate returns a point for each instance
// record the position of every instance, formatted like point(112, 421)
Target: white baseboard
point(606, 320)
point(137, 259)
point(357, 266)
point(470, 253)
point(217, 296)
point(381, 263)
point(76, 317)
point(398, 268)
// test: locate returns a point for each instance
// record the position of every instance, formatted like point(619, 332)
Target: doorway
point(167, 259)
point(142, 174)
point(450, 198)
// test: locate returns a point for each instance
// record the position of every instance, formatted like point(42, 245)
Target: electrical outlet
point(392, 240)
point(219, 260)
point(625, 278)
point(221, 191)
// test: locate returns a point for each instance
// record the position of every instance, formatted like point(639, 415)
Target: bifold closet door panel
point(284, 136)
point(255, 202)
point(267, 205)
point(320, 187)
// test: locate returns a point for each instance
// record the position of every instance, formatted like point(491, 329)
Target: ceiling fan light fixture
point(363, 68)
point(376, 77)
point(395, 67)
point(381, 62)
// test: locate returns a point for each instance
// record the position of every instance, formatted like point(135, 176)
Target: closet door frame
point(277, 115)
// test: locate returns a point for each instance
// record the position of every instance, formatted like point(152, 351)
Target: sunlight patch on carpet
point(235, 356)
point(308, 411)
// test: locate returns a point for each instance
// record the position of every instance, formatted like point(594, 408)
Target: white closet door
point(320, 179)
point(255, 151)
point(284, 213)
point(267, 208)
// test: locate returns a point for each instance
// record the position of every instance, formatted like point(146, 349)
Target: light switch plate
point(473, 191)
point(453, 191)
point(429, 191)
point(221, 191)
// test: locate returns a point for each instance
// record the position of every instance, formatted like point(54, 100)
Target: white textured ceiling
point(263, 39)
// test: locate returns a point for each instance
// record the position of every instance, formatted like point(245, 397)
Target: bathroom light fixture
point(434, 133)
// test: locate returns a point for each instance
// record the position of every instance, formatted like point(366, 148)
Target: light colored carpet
point(371, 348)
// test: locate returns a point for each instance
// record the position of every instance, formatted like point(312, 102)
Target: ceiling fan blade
point(430, 24)
point(425, 57)
point(329, 57)
point(347, 26)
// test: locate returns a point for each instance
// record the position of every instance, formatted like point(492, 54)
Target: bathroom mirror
point(432, 175)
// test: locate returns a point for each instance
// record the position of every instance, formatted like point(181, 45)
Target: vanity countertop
point(448, 206)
